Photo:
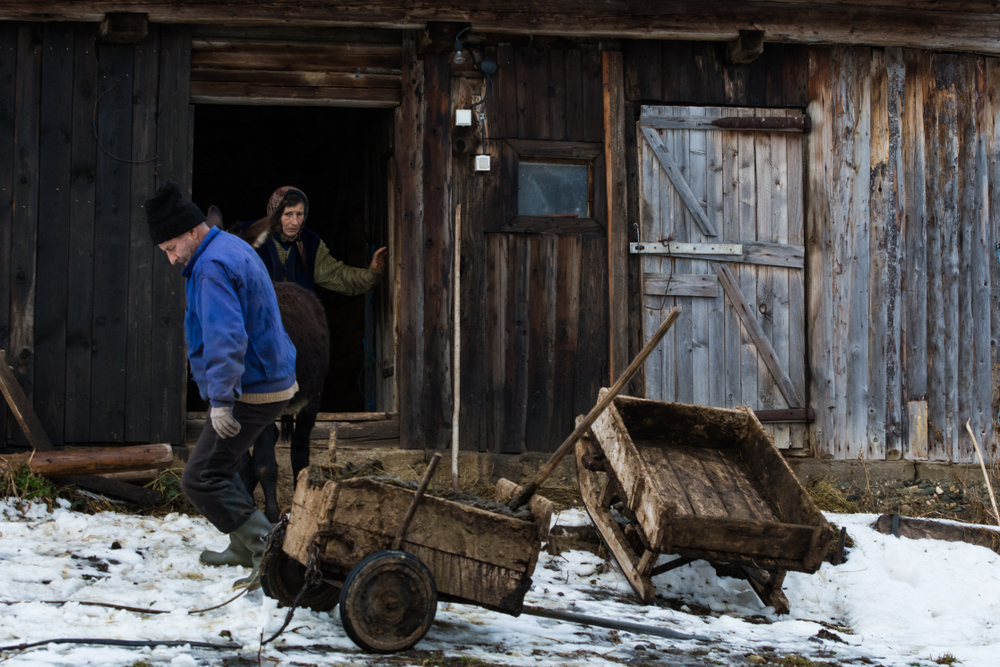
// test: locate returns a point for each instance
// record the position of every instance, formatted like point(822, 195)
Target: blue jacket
point(236, 342)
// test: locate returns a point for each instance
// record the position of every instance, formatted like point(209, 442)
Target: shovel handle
point(529, 489)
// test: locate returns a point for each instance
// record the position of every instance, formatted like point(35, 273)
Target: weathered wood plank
point(649, 228)
point(764, 348)
point(138, 387)
point(764, 182)
point(529, 224)
point(497, 340)
point(557, 94)
point(410, 159)
point(278, 55)
point(593, 106)
point(173, 130)
point(574, 95)
point(24, 216)
point(967, 219)
point(542, 299)
point(345, 79)
point(677, 178)
point(715, 194)
point(438, 243)
point(269, 95)
point(567, 327)
point(515, 387)
point(8, 107)
point(796, 279)
point(913, 209)
point(617, 213)
point(822, 241)
point(917, 431)
point(54, 160)
point(80, 262)
point(592, 370)
point(744, 283)
point(682, 284)
point(982, 262)
point(544, 148)
point(678, 143)
point(698, 179)
point(729, 149)
point(114, 136)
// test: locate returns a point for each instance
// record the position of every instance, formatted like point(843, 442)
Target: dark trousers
point(211, 479)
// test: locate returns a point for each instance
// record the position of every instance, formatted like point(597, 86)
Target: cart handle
point(401, 531)
point(529, 489)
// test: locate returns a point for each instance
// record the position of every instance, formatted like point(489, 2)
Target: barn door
point(721, 236)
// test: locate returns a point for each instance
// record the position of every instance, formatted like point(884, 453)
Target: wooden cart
point(388, 597)
point(704, 483)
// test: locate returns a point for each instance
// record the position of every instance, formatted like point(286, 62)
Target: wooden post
point(93, 460)
point(617, 199)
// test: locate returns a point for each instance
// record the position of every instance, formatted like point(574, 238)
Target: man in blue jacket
point(241, 358)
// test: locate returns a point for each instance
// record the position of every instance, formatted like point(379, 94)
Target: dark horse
point(304, 320)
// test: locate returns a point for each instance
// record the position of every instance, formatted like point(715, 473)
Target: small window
point(553, 188)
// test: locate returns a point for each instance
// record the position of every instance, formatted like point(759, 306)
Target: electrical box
point(482, 163)
point(463, 117)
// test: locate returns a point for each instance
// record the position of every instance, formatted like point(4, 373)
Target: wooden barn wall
point(534, 307)
point(90, 314)
point(903, 288)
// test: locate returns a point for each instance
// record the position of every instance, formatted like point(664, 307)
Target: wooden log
point(746, 48)
point(93, 460)
point(21, 408)
point(115, 488)
point(916, 529)
point(123, 28)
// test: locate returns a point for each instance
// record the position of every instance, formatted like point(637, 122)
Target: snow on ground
point(895, 602)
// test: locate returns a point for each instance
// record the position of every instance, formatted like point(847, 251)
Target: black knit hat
point(169, 215)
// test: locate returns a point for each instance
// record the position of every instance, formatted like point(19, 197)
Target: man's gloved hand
point(223, 421)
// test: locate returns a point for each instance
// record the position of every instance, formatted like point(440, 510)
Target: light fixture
point(459, 56)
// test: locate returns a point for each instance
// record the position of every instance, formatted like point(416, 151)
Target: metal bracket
point(686, 248)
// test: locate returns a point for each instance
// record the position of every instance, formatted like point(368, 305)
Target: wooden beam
point(682, 284)
point(939, 26)
point(123, 28)
point(763, 345)
point(764, 254)
point(19, 405)
point(617, 200)
point(786, 415)
point(694, 249)
point(677, 178)
point(746, 48)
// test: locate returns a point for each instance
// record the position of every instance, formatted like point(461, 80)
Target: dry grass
point(828, 497)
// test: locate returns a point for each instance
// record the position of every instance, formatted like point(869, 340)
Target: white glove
point(223, 421)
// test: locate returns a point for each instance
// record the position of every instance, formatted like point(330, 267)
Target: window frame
point(572, 152)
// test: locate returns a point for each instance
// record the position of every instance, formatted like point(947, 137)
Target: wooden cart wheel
point(388, 602)
point(635, 566)
point(282, 577)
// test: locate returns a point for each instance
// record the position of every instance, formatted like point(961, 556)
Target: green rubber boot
point(234, 554)
point(252, 534)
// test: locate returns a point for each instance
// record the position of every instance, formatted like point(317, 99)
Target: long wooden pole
point(456, 364)
point(982, 464)
point(543, 474)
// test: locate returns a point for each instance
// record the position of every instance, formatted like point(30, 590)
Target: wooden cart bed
point(704, 483)
point(475, 555)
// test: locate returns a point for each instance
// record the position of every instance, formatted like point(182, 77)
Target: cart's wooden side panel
point(474, 555)
point(654, 511)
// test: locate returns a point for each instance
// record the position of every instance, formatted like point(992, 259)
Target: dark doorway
point(339, 158)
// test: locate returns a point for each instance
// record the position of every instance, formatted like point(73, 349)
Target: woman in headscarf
point(296, 253)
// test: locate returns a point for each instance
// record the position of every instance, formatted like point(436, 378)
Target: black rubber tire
point(388, 602)
point(282, 577)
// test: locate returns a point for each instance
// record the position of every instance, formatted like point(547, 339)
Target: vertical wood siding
point(900, 250)
point(534, 307)
point(91, 319)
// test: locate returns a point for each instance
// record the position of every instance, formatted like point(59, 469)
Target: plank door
point(721, 235)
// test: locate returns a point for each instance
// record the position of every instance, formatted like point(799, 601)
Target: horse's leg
point(304, 422)
point(265, 467)
point(246, 470)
